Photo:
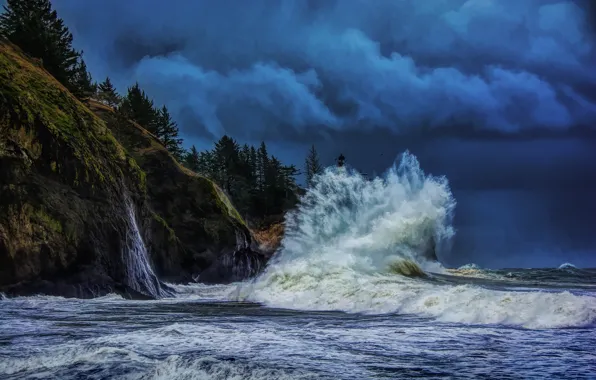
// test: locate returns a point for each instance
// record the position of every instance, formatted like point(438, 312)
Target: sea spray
point(345, 219)
point(347, 245)
point(138, 272)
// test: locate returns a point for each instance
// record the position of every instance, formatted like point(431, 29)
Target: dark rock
point(66, 180)
point(194, 229)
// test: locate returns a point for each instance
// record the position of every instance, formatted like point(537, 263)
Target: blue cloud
point(508, 66)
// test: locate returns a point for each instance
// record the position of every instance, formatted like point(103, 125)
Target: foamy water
point(340, 244)
point(334, 304)
point(188, 337)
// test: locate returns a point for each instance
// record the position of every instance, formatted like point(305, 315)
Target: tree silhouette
point(36, 28)
point(312, 166)
point(107, 93)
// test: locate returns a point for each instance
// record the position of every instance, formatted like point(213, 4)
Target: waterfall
point(138, 271)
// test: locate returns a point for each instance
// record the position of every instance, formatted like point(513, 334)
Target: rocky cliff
point(213, 243)
point(85, 199)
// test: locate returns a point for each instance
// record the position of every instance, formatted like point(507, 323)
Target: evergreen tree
point(274, 187)
point(107, 93)
point(192, 159)
point(227, 157)
point(290, 187)
point(253, 164)
point(35, 27)
point(262, 165)
point(137, 106)
point(258, 184)
point(312, 165)
point(81, 82)
point(167, 132)
point(207, 164)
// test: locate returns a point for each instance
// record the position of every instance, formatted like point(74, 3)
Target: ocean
point(356, 291)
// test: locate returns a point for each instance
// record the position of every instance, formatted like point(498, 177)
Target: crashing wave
point(469, 266)
point(406, 268)
point(353, 244)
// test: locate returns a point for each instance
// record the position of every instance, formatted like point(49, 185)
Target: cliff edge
point(91, 205)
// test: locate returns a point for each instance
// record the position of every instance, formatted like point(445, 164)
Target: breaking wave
point(363, 246)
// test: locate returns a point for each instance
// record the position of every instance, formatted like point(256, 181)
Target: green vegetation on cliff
point(71, 174)
point(193, 207)
point(64, 173)
point(61, 173)
point(48, 121)
point(36, 28)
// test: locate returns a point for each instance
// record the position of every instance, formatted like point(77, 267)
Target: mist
point(498, 95)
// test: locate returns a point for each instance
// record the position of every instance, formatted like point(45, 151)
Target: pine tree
point(227, 156)
point(274, 187)
point(82, 85)
point(237, 170)
point(192, 159)
point(167, 132)
point(253, 164)
point(312, 165)
point(35, 27)
point(262, 165)
point(207, 164)
point(289, 174)
point(137, 106)
point(107, 93)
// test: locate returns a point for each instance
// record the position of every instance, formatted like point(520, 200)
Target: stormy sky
point(498, 95)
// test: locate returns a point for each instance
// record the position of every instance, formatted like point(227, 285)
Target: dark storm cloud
point(279, 68)
point(498, 95)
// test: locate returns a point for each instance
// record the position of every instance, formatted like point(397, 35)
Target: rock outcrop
point(69, 183)
point(213, 243)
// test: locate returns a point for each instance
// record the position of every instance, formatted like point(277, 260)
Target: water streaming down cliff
point(138, 271)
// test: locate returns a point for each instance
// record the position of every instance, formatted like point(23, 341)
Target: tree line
point(258, 182)
point(36, 28)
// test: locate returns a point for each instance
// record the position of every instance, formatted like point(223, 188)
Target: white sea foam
point(347, 232)
point(469, 266)
point(184, 349)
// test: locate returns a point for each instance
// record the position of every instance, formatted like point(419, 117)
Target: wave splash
point(346, 220)
point(356, 245)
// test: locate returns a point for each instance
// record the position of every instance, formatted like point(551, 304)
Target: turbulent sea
point(355, 292)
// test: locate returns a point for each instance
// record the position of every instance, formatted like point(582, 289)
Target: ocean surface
point(354, 292)
point(203, 334)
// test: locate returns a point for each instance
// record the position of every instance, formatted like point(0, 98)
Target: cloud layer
point(277, 68)
point(499, 95)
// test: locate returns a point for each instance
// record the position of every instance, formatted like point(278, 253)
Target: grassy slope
point(148, 144)
point(35, 101)
point(62, 173)
point(56, 160)
point(201, 217)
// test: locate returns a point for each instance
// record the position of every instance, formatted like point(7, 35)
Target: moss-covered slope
point(214, 242)
point(64, 183)
point(62, 176)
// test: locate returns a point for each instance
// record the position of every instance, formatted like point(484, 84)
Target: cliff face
point(213, 243)
point(62, 177)
point(76, 204)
